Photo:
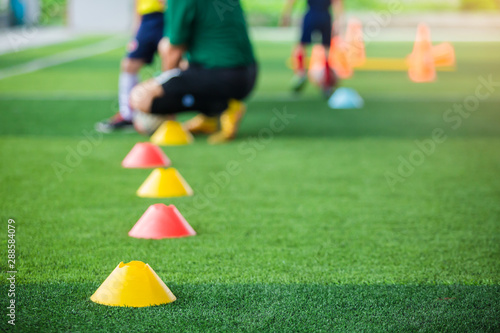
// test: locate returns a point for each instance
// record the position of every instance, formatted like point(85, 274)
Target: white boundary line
point(63, 58)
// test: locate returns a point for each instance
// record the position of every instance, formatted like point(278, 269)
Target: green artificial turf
point(306, 235)
point(270, 307)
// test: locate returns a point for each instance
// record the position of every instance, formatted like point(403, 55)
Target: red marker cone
point(159, 222)
point(146, 155)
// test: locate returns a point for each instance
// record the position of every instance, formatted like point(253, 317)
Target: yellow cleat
point(202, 124)
point(230, 122)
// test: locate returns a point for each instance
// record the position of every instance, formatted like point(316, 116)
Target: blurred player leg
point(141, 51)
point(129, 78)
point(300, 79)
point(330, 81)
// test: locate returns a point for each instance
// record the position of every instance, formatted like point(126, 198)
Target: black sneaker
point(299, 82)
point(115, 123)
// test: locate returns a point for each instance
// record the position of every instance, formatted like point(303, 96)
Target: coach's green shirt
point(165, 24)
point(214, 31)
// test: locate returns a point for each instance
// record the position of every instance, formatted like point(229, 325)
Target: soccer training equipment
point(160, 221)
point(164, 183)
point(171, 133)
point(146, 123)
point(338, 59)
point(421, 61)
point(133, 285)
point(444, 55)
point(346, 98)
point(146, 155)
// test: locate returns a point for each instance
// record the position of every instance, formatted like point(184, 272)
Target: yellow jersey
point(145, 7)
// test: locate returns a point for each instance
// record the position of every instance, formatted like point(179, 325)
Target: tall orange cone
point(164, 183)
point(356, 53)
point(133, 285)
point(171, 133)
point(146, 155)
point(161, 221)
point(421, 61)
point(338, 58)
point(444, 55)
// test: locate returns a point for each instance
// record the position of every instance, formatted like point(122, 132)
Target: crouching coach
point(213, 36)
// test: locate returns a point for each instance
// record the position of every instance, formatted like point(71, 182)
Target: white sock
point(127, 82)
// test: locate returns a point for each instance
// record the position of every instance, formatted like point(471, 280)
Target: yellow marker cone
point(135, 285)
point(171, 133)
point(164, 183)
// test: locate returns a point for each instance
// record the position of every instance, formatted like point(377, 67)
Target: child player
point(149, 26)
point(317, 19)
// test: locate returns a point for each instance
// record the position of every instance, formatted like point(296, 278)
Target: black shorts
point(317, 21)
point(145, 44)
point(206, 90)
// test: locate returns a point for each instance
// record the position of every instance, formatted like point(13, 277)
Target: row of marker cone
point(346, 55)
point(159, 221)
point(136, 284)
point(162, 183)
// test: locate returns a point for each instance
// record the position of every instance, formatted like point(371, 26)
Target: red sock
point(328, 74)
point(300, 61)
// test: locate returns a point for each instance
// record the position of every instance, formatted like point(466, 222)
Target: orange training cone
point(421, 61)
point(171, 133)
point(146, 155)
point(338, 58)
point(133, 285)
point(161, 221)
point(356, 53)
point(164, 183)
point(444, 55)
